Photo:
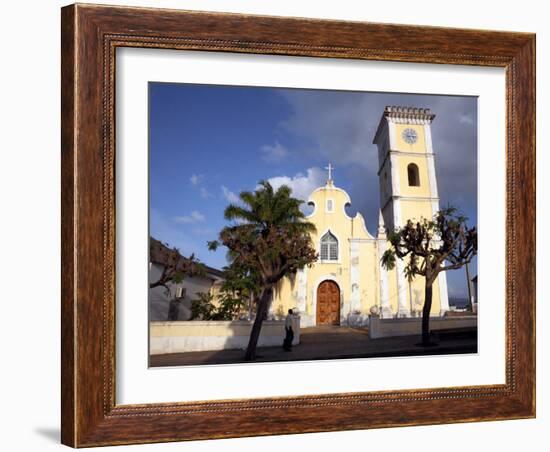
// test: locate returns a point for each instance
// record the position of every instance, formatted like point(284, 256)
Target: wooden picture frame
point(90, 36)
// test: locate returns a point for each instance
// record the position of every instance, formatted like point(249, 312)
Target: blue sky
point(208, 143)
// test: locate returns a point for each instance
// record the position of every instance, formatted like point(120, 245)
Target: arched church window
point(412, 172)
point(329, 247)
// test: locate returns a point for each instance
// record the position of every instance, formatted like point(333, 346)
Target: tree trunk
point(250, 301)
point(426, 313)
point(261, 311)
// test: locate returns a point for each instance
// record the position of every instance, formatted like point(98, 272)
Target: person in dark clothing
point(289, 333)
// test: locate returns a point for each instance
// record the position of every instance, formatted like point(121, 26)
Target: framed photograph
point(277, 225)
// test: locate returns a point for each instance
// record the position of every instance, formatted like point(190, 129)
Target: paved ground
point(329, 342)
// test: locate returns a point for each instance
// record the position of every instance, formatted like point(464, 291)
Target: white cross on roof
point(329, 168)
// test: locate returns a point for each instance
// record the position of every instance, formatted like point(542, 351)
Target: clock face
point(409, 135)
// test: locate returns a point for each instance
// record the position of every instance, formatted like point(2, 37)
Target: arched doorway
point(328, 303)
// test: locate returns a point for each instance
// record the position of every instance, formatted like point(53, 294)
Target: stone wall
point(192, 336)
point(411, 326)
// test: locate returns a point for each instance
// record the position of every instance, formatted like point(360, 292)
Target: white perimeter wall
point(379, 328)
point(194, 336)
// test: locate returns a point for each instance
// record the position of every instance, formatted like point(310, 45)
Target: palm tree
point(265, 208)
point(270, 237)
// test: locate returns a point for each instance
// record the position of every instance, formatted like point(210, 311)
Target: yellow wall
point(392, 286)
point(405, 189)
point(417, 291)
point(368, 280)
point(414, 209)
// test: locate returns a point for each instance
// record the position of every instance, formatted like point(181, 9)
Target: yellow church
point(348, 282)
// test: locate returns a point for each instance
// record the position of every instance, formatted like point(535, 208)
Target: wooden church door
point(328, 303)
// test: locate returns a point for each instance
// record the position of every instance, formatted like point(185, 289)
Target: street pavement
point(331, 342)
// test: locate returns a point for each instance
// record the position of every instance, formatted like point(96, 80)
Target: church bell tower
point(406, 173)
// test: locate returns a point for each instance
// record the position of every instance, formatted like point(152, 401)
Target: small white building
point(174, 301)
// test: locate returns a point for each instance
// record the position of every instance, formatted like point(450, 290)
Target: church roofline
point(402, 114)
point(330, 186)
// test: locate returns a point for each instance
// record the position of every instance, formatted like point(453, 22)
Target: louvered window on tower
point(329, 247)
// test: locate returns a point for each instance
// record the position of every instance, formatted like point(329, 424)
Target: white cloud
point(196, 179)
point(167, 232)
point(302, 185)
point(466, 119)
point(205, 194)
point(275, 153)
point(229, 195)
point(194, 217)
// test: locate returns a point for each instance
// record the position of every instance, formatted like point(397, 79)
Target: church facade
point(348, 282)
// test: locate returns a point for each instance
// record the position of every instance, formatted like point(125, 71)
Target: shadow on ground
point(51, 433)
